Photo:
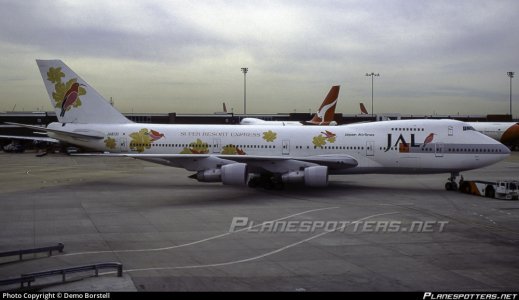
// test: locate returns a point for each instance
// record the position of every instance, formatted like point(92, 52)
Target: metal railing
point(20, 280)
point(31, 277)
point(59, 247)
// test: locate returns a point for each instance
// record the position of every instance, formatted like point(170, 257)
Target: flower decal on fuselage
point(323, 138)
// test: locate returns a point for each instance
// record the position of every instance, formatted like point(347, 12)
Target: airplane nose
point(505, 150)
point(511, 135)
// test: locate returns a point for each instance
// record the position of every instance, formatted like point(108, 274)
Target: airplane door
point(438, 149)
point(370, 148)
point(217, 146)
point(286, 147)
point(122, 145)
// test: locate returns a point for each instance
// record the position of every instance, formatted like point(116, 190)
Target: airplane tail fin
point(224, 108)
point(74, 100)
point(326, 111)
point(363, 109)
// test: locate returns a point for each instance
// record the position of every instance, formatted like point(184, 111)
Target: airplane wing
point(80, 135)
point(32, 138)
point(274, 164)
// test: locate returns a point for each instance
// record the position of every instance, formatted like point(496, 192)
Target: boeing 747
point(259, 155)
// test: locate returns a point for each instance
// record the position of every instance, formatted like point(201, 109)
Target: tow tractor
point(502, 189)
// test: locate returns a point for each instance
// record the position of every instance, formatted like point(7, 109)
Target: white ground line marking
point(199, 241)
point(254, 257)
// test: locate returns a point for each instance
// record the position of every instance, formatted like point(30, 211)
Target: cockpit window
point(465, 128)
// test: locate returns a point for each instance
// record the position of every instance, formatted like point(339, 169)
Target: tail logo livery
point(73, 99)
point(326, 112)
point(65, 95)
point(363, 109)
point(321, 113)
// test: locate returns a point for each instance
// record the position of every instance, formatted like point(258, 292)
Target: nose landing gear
point(451, 185)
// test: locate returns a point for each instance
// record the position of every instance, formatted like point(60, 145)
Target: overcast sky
point(443, 57)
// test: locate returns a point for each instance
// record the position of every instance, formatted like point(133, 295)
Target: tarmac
point(172, 233)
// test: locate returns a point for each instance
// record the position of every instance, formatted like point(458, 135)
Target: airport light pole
point(244, 70)
point(372, 74)
point(511, 75)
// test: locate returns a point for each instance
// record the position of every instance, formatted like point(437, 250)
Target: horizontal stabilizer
point(75, 134)
point(30, 138)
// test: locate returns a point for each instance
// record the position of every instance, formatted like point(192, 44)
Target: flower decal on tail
point(66, 94)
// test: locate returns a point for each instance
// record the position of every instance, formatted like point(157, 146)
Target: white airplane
point(260, 155)
point(323, 116)
point(504, 132)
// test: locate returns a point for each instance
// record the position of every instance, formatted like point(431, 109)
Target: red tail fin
point(326, 111)
point(363, 109)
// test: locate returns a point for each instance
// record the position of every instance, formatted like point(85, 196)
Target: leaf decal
point(232, 150)
point(319, 141)
point(197, 147)
point(140, 140)
point(269, 136)
point(110, 143)
point(325, 136)
point(54, 75)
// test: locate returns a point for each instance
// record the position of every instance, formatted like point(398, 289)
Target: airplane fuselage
point(505, 132)
point(403, 146)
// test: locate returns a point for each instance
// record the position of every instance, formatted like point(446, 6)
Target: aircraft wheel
point(279, 186)
point(254, 182)
point(489, 192)
point(454, 186)
point(448, 186)
point(268, 185)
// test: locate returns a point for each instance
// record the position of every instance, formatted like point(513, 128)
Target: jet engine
point(311, 176)
point(231, 174)
point(212, 175)
point(234, 174)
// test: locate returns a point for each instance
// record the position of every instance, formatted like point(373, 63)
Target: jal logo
point(405, 144)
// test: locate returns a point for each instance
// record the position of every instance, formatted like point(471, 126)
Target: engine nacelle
point(316, 176)
point(293, 177)
point(234, 174)
point(213, 175)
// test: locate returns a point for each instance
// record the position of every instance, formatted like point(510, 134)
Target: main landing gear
point(267, 181)
point(451, 185)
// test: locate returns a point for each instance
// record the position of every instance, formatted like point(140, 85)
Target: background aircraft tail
point(363, 109)
point(326, 111)
point(74, 100)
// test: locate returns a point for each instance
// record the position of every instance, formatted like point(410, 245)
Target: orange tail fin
point(326, 111)
point(363, 109)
